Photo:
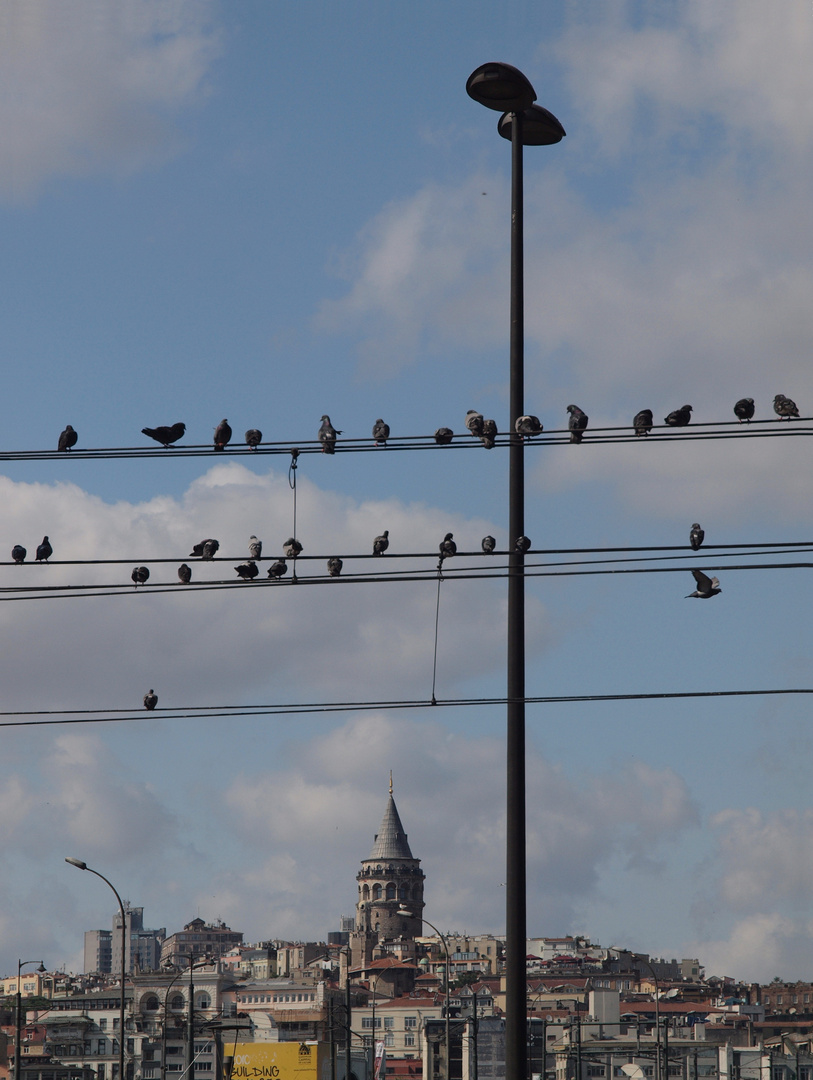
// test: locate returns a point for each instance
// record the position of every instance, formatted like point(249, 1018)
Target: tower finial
point(390, 781)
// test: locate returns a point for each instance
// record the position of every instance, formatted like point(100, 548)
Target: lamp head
point(77, 863)
point(539, 127)
point(500, 86)
point(42, 968)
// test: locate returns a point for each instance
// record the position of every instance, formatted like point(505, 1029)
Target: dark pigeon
point(18, 553)
point(488, 544)
point(679, 417)
point(277, 569)
point(255, 547)
point(784, 407)
point(443, 436)
point(44, 550)
point(334, 566)
point(247, 570)
point(222, 435)
point(744, 409)
point(527, 426)
point(489, 434)
point(140, 575)
point(642, 422)
point(165, 435)
point(706, 586)
point(67, 439)
point(577, 423)
point(184, 574)
point(448, 547)
point(206, 549)
point(253, 438)
point(150, 700)
point(381, 432)
point(292, 548)
point(381, 543)
point(696, 537)
point(327, 435)
point(523, 544)
point(474, 422)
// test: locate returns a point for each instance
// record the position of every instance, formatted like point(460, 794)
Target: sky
point(269, 211)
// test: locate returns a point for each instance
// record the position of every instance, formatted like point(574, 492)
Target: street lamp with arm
point(19, 1015)
point(408, 914)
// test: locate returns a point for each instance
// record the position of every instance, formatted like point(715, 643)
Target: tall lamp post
point(172, 981)
point(503, 88)
point(405, 911)
point(646, 963)
point(84, 866)
point(19, 1014)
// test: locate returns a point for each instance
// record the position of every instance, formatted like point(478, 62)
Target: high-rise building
point(142, 947)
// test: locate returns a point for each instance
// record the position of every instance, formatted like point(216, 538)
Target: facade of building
point(199, 939)
point(142, 947)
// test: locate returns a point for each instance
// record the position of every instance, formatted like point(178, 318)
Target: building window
point(100, 1045)
point(102, 1023)
point(389, 1039)
point(100, 1070)
point(779, 999)
point(595, 1070)
point(409, 1039)
point(389, 1023)
point(410, 1022)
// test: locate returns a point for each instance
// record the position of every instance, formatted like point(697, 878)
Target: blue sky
point(270, 211)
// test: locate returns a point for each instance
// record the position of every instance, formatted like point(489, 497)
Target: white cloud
point(759, 948)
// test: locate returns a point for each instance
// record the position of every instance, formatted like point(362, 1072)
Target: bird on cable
point(292, 548)
point(381, 543)
point(523, 544)
point(443, 436)
point(67, 439)
point(679, 417)
point(150, 700)
point(489, 434)
point(783, 406)
point(206, 549)
point(448, 547)
point(184, 574)
point(327, 435)
point(642, 422)
point(18, 553)
point(706, 586)
point(253, 438)
point(744, 409)
point(222, 435)
point(255, 547)
point(277, 569)
point(488, 544)
point(696, 537)
point(334, 566)
point(165, 435)
point(247, 570)
point(474, 422)
point(139, 575)
point(44, 550)
point(527, 426)
point(577, 422)
point(381, 432)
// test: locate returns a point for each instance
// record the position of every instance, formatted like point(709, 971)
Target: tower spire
point(390, 781)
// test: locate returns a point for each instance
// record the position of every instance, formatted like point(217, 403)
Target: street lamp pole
point(503, 88)
point(19, 1015)
point(408, 914)
point(84, 866)
point(646, 963)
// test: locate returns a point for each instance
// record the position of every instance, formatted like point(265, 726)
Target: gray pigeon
point(44, 550)
point(744, 409)
point(150, 700)
point(523, 544)
point(18, 553)
point(222, 435)
point(577, 423)
point(474, 422)
point(381, 543)
point(277, 569)
point(255, 547)
point(292, 548)
point(679, 417)
point(784, 407)
point(489, 434)
point(527, 426)
point(165, 435)
point(253, 438)
point(206, 549)
point(696, 537)
point(381, 432)
point(642, 422)
point(67, 439)
point(488, 544)
point(447, 547)
point(139, 575)
point(184, 574)
point(334, 566)
point(327, 435)
point(247, 570)
point(443, 436)
point(706, 586)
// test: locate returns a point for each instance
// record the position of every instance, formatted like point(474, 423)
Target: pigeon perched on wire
point(523, 544)
point(247, 570)
point(140, 575)
point(443, 436)
point(255, 547)
point(165, 435)
point(334, 566)
point(381, 543)
point(488, 544)
point(150, 700)
point(577, 423)
point(642, 422)
point(696, 537)
point(277, 569)
point(253, 438)
point(222, 435)
point(184, 574)
point(44, 550)
point(18, 553)
point(679, 417)
point(381, 432)
point(292, 548)
point(474, 422)
point(744, 409)
point(448, 547)
point(784, 407)
point(527, 426)
point(327, 435)
point(206, 549)
point(489, 434)
point(67, 439)
point(706, 586)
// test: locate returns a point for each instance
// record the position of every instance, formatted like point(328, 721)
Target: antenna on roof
point(390, 781)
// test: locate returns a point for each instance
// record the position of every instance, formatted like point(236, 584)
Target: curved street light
point(408, 914)
point(19, 1014)
point(646, 963)
point(172, 981)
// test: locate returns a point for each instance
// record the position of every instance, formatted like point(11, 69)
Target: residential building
point(199, 939)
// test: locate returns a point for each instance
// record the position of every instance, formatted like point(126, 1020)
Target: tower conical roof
point(391, 840)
